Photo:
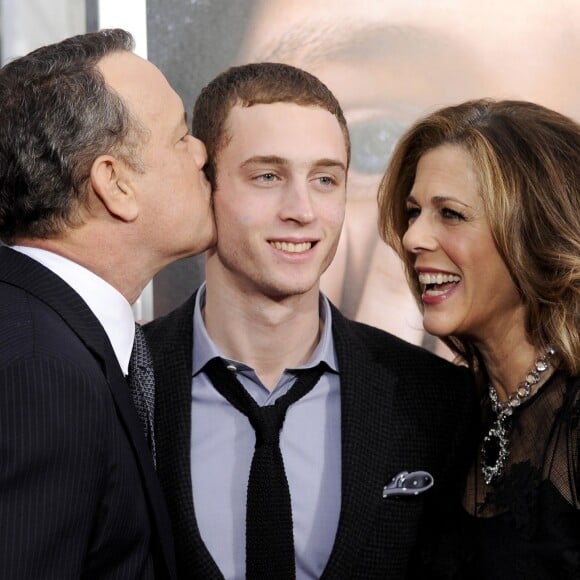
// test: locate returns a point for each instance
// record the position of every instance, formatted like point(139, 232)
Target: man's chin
point(292, 290)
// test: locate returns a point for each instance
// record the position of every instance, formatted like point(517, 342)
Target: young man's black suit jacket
point(403, 409)
point(79, 497)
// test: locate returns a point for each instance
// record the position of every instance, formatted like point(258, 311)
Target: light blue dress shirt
point(222, 446)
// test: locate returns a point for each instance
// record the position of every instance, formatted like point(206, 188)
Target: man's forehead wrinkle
point(346, 41)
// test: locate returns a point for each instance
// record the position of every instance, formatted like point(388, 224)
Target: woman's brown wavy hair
point(527, 159)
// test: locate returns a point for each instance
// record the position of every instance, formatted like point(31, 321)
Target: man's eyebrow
point(282, 162)
point(330, 163)
point(313, 43)
point(264, 160)
point(179, 123)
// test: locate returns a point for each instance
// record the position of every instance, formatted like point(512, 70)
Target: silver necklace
point(495, 446)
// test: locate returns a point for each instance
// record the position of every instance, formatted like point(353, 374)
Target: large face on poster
point(388, 62)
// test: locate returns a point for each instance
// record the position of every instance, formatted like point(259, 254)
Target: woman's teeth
point(436, 284)
point(427, 279)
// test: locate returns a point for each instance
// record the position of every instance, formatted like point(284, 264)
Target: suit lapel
point(368, 454)
point(24, 272)
point(172, 348)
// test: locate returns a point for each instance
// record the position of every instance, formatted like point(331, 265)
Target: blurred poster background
point(388, 62)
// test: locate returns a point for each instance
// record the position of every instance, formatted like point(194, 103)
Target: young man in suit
point(278, 150)
point(100, 187)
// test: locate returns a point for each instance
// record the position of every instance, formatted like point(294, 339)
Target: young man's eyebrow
point(330, 163)
point(282, 162)
point(265, 160)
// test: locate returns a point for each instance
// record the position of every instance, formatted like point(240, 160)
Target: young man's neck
point(267, 334)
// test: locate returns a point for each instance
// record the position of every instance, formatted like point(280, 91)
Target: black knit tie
point(269, 533)
point(142, 385)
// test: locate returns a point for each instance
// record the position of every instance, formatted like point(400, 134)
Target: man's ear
point(111, 181)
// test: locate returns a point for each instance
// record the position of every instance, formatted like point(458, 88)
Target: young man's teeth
point(291, 247)
point(437, 278)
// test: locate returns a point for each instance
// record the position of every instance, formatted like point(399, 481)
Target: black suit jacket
point(403, 409)
point(79, 497)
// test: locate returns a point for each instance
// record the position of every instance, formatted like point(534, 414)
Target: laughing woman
point(482, 202)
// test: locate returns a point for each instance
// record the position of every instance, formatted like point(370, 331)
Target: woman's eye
point(412, 212)
point(452, 214)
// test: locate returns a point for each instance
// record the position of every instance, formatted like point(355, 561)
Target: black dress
point(527, 524)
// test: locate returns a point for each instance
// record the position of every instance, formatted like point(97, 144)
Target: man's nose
point(298, 204)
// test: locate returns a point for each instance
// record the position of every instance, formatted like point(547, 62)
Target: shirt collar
point(204, 349)
point(109, 306)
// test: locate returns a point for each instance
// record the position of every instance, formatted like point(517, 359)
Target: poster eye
point(372, 143)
